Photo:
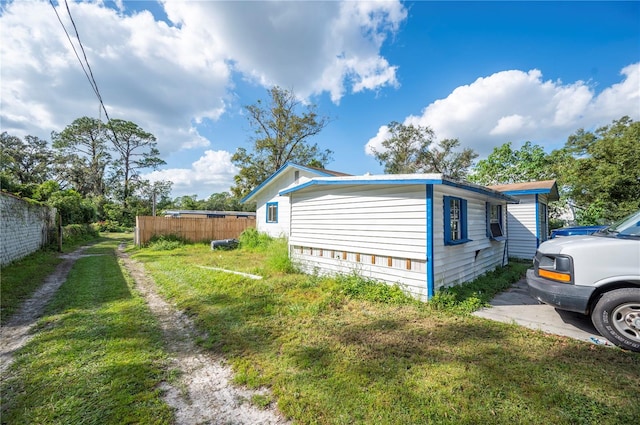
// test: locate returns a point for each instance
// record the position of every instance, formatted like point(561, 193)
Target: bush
point(253, 240)
point(110, 226)
point(165, 242)
point(278, 258)
point(358, 287)
point(74, 233)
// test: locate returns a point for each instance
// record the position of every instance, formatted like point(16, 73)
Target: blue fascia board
point(528, 192)
point(277, 173)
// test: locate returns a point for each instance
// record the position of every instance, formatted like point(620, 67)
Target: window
point(543, 226)
point(272, 212)
point(494, 222)
point(455, 220)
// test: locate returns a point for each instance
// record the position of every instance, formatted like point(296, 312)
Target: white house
point(528, 221)
point(272, 210)
point(422, 231)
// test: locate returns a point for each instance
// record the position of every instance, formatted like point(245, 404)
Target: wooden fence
point(191, 229)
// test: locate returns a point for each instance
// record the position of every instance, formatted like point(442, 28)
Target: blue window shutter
point(447, 219)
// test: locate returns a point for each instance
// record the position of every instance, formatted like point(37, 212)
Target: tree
point(281, 133)
point(136, 150)
point(409, 150)
point(27, 162)
point(406, 150)
point(445, 160)
point(84, 154)
point(505, 165)
point(601, 170)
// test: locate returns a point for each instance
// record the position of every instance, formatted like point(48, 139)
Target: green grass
point(344, 350)
point(20, 279)
point(97, 356)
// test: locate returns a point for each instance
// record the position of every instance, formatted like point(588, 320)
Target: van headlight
point(554, 267)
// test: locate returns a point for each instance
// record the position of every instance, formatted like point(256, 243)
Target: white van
point(596, 274)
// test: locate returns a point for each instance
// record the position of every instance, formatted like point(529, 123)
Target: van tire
point(617, 317)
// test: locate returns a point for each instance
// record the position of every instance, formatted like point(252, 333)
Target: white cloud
point(211, 173)
point(168, 77)
point(516, 106)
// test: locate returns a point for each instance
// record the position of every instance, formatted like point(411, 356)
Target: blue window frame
point(455, 221)
point(272, 212)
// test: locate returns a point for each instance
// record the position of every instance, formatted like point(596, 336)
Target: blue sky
point(484, 72)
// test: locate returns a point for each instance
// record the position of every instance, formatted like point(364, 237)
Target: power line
point(89, 75)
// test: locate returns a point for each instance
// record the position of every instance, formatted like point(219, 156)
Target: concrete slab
point(515, 305)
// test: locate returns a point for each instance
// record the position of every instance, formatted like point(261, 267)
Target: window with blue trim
point(272, 212)
point(455, 220)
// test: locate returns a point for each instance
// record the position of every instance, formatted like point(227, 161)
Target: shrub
point(165, 242)
point(74, 233)
point(253, 240)
point(278, 258)
point(358, 287)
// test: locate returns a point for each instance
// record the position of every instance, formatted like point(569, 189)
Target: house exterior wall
point(380, 232)
point(455, 264)
point(376, 231)
point(270, 195)
point(527, 224)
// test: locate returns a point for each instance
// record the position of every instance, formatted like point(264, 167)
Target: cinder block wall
point(24, 227)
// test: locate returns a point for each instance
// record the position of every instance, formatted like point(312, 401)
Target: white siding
point(270, 194)
point(352, 224)
point(525, 227)
point(454, 264)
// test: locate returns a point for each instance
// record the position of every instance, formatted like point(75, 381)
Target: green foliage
point(507, 165)
point(360, 288)
point(282, 134)
point(77, 233)
point(408, 150)
point(602, 171)
point(278, 258)
point(109, 227)
point(468, 297)
point(165, 242)
point(251, 239)
point(71, 207)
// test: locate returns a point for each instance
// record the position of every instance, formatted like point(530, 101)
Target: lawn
point(333, 353)
point(332, 350)
point(97, 355)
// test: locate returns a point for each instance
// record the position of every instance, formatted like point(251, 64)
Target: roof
point(548, 187)
point(399, 179)
point(287, 165)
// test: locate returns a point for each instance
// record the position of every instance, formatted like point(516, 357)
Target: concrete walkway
point(516, 306)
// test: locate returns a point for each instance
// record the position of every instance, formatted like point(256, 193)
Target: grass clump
point(468, 297)
point(165, 242)
point(253, 240)
point(361, 288)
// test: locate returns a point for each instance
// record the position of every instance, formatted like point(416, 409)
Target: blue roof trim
point(528, 192)
point(408, 181)
point(280, 171)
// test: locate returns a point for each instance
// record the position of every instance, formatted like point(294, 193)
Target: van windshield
point(628, 227)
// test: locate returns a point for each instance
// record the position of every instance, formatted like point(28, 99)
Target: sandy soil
point(203, 392)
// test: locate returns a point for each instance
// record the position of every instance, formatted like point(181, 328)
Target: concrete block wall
point(24, 227)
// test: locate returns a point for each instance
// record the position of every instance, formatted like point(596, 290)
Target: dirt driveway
point(516, 306)
point(203, 392)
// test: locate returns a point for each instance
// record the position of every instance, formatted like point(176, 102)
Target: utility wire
point(89, 75)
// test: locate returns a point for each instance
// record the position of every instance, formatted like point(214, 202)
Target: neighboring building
point(528, 221)
point(422, 231)
point(272, 210)
point(209, 214)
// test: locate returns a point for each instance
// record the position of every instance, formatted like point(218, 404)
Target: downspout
point(430, 265)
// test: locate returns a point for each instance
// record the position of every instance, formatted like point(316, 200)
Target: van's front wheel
point(617, 317)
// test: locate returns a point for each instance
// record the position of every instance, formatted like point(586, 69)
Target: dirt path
point(203, 393)
point(16, 332)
